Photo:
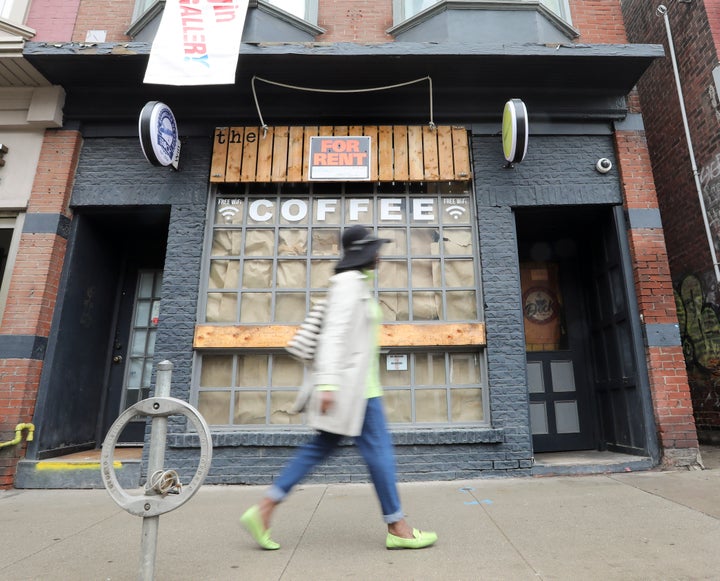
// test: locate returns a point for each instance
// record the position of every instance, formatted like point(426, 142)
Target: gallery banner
point(197, 43)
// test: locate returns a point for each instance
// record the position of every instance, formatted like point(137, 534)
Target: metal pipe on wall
point(663, 11)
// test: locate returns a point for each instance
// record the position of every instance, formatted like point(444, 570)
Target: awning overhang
point(470, 82)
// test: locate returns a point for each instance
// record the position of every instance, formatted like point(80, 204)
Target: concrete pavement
point(631, 526)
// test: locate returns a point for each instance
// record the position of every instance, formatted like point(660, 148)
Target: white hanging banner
point(197, 43)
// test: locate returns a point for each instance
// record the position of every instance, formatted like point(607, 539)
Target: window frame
point(399, 16)
point(15, 11)
point(147, 9)
point(274, 191)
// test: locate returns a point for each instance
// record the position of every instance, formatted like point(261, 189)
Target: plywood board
point(396, 335)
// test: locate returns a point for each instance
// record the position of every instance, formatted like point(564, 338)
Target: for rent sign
point(339, 158)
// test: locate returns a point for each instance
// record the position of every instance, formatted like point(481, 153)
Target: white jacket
point(342, 357)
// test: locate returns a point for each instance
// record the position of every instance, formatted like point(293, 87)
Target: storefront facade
point(516, 314)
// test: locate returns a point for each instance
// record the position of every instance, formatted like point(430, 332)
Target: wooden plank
point(433, 334)
point(445, 153)
point(461, 153)
point(219, 155)
point(249, 162)
point(235, 152)
point(355, 130)
point(309, 132)
point(372, 132)
point(340, 130)
point(242, 336)
point(280, 155)
point(430, 153)
point(385, 154)
point(277, 336)
point(264, 155)
point(295, 154)
point(415, 153)
point(400, 146)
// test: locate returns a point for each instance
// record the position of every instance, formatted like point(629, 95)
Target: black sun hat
point(360, 248)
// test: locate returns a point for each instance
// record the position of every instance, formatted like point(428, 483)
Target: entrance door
point(131, 337)
point(133, 348)
point(622, 412)
point(558, 381)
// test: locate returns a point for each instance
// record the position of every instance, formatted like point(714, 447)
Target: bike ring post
point(160, 482)
point(156, 461)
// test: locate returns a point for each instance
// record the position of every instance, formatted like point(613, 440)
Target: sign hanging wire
point(314, 90)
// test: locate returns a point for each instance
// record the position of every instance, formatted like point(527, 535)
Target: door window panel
point(138, 372)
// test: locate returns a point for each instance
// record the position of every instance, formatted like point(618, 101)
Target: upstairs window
point(405, 9)
point(14, 11)
point(303, 9)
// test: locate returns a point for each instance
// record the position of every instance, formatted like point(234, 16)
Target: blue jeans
point(376, 448)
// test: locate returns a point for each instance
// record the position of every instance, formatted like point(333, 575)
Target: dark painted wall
point(558, 170)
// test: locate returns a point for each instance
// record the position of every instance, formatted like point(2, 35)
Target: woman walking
point(343, 397)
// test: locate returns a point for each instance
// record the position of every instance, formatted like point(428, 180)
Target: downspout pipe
point(663, 11)
point(18, 435)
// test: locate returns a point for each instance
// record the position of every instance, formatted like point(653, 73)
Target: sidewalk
point(632, 526)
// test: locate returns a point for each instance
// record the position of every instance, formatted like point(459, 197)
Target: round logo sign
point(540, 305)
point(158, 134)
point(515, 131)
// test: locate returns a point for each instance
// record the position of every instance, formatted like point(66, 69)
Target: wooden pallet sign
point(397, 153)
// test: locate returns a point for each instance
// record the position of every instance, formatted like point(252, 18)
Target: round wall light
point(515, 131)
point(159, 134)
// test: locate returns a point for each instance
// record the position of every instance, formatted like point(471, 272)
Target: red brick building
point(527, 299)
point(692, 240)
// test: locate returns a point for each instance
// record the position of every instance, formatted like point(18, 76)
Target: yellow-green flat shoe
point(252, 521)
point(420, 540)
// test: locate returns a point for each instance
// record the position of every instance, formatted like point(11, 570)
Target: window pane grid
point(291, 244)
point(258, 389)
point(271, 251)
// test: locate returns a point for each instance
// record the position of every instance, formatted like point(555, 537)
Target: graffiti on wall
point(699, 321)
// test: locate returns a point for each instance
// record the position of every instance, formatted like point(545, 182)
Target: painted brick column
point(671, 400)
point(33, 290)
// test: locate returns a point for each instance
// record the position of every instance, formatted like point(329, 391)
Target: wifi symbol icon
point(228, 212)
point(455, 211)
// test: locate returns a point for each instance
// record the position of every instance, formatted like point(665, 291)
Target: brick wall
point(695, 36)
point(113, 16)
point(33, 292)
point(677, 195)
point(599, 21)
point(52, 21)
point(671, 398)
point(357, 21)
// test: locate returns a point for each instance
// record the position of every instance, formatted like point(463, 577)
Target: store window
point(272, 250)
point(14, 11)
point(405, 9)
point(304, 9)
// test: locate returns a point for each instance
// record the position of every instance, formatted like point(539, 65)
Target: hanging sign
point(515, 130)
point(197, 43)
point(159, 134)
point(339, 158)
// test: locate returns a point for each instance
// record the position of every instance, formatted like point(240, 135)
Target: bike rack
point(163, 491)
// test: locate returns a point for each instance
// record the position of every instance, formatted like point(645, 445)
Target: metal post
point(156, 461)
